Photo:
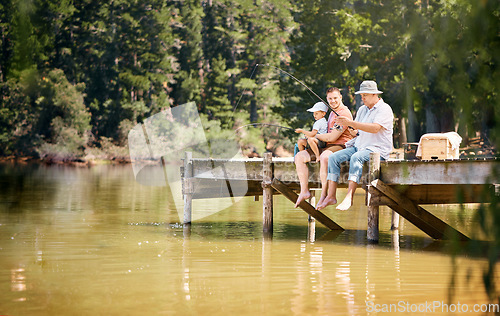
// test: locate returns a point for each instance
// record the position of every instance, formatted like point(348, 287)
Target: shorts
point(321, 144)
point(331, 147)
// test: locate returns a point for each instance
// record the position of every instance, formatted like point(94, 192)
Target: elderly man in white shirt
point(374, 121)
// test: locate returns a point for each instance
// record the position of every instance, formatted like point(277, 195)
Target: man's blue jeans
point(356, 159)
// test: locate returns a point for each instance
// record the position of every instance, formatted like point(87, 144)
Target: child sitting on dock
point(320, 127)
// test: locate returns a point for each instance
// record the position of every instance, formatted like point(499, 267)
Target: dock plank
point(439, 172)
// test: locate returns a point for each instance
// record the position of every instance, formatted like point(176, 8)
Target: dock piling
point(187, 187)
point(394, 220)
point(312, 201)
point(267, 193)
point(373, 210)
point(311, 221)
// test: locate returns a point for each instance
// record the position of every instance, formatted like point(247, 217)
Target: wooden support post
point(417, 215)
point(373, 211)
point(394, 220)
point(267, 193)
point(312, 201)
point(311, 225)
point(292, 196)
point(311, 231)
point(187, 187)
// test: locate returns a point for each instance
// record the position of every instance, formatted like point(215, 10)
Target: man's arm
point(330, 137)
point(366, 127)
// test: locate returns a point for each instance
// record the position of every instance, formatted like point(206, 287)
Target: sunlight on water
point(93, 241)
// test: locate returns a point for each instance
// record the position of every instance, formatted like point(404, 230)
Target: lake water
point(93, 241)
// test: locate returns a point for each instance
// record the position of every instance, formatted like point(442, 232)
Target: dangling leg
point(301, 159)
point(313, 144)
point(334, 161)
point(323, 170)
point(331, 198)
point(355, 170)
point(302, 143)
point(347, 202)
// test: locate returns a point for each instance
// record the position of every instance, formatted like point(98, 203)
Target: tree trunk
point(253, 111)
point(431, 122)
point(402, 132)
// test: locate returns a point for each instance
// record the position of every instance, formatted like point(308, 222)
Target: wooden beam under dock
point(308, 208)
point(417, 215)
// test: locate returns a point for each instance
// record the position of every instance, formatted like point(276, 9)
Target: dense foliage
point(77, 74)
point(120, 62)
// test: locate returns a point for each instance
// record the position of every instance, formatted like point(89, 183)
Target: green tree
point(5, 29)
point(121, 52)
point(474, 85)
point(217, 104)
point(16, 119)
point(329, 49)
point(190, 78)
point(63, 122)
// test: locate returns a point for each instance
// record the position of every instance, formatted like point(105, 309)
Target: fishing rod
point(294, 78)
point(303, 84)
point(297, 80)
point(254, 124)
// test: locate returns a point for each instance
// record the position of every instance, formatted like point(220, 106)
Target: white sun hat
point(368, 86)
point(318, 106)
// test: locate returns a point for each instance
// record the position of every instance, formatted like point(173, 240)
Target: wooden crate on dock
point(437, 147)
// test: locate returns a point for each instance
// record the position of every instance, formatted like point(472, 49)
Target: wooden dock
point(399, 184)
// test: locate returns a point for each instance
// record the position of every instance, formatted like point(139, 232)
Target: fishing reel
point(337, 127)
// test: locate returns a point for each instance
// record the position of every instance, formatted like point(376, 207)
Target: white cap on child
point(319, 106)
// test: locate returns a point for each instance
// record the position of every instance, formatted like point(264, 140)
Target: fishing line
point(294, 78)
point(303, 84)
point(244, 90)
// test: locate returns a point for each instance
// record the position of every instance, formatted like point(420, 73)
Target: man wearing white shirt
point(374, 121)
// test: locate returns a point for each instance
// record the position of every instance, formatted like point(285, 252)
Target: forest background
point(76, 76)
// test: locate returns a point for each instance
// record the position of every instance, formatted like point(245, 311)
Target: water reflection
point(344, 281)
point(395, 245)
point(18, 282)
point(95, 242)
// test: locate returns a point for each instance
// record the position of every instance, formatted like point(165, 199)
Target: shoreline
point(91, 160)
point(76, 162)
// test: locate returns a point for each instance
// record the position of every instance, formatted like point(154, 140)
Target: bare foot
point(345, 205)
point(321, 199)
point(302, 197)
point(327, 201)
